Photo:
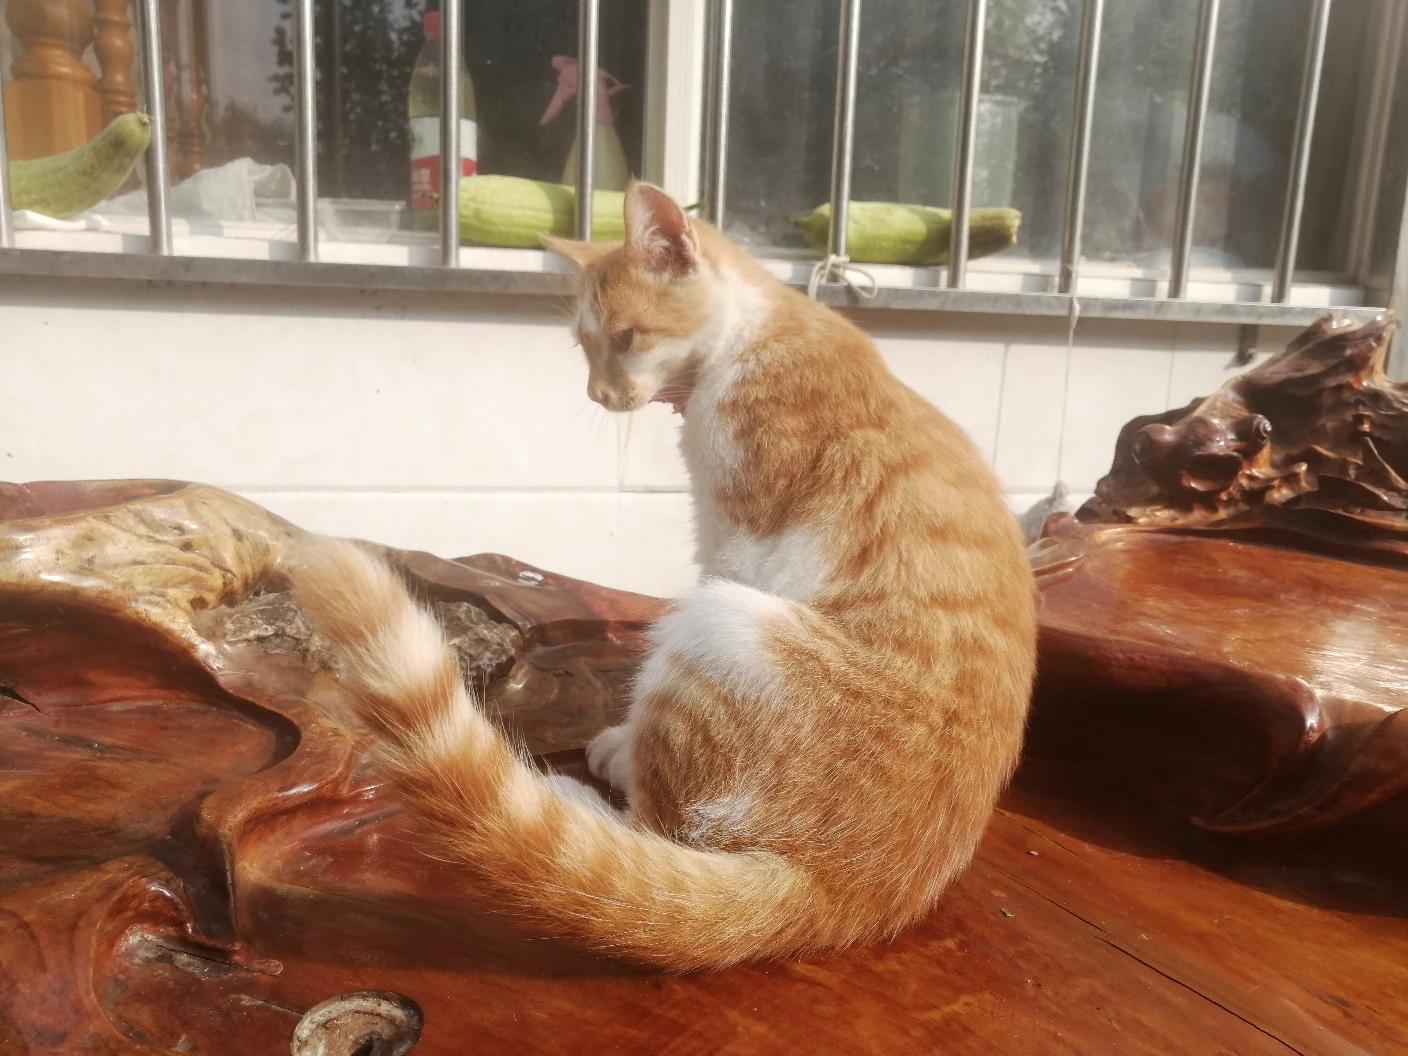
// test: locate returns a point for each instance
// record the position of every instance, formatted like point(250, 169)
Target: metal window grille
point(955, 293)
point(1088, 63)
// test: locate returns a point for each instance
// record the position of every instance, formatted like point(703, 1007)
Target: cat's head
point(643, 305)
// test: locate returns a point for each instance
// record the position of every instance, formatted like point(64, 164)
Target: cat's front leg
point(610, 757)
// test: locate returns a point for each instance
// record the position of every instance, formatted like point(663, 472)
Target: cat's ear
point(579, 253)
point(658, 231)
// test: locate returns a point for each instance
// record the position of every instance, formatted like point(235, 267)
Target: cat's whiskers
point(565, 306)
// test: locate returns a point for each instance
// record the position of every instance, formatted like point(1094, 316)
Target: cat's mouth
point(677, 401)
point(676, 394)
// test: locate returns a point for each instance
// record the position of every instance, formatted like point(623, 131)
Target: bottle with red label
point(425, 125)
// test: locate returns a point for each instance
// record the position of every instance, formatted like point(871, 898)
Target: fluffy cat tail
point(551, 853)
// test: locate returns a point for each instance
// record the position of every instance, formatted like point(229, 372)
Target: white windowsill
point(997, 275)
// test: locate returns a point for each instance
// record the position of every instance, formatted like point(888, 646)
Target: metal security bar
point(843, 132)
point(451, 45)
point(158, 169)
point(588, 44)
point(1078, 164)
point(967, 142)
point(720, 60)
point(305, 112)
point(1198, 89)
point(1289, 243)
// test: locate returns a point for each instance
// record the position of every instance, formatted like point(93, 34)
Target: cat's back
point(824, 439)
point(927, 555)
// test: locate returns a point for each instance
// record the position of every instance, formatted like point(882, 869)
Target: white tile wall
point(650, 454)
point(963, 377)
point(1205, 358)
point(460, 425)
point(1105, 387)
point(1031, 414)
point(656, 542)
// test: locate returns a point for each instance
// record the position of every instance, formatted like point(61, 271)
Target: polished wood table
point(194, 858)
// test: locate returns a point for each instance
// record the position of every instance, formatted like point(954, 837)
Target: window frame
point(681, 107)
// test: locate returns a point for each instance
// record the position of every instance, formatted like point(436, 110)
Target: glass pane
point(1256, 93)
point(782, 107)
point(910, 64)
point(230, 102)
point(780, 110)
point(1142, 106)
point(1140, 109)
point(66, 77)
point(906, 105)
point(230, 113)
point(371, 51)
point(511, 49)
point(232, 163)
point(1388, 214)
point(1346, 90)
point(514, 68)
point(1029, 80)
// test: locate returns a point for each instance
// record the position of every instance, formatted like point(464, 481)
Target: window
point(233, 120)
point(230, 104)
point(369, 50)
point(907, 100)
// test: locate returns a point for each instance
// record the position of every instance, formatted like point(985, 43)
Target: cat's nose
point(596, 391)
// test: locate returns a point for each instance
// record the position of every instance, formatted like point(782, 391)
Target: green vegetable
point(511, 211)
point(67, 184)
point(895, 233)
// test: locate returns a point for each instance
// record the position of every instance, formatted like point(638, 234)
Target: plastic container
point(360, 219)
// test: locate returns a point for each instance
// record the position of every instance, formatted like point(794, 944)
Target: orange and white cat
point(821, 728)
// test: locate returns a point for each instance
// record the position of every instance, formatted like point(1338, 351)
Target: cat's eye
point(622, 340)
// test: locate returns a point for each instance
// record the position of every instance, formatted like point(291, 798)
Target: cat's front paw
point(609, 757)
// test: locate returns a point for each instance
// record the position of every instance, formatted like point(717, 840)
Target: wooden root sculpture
point(1238, 584)
point(1312, 442)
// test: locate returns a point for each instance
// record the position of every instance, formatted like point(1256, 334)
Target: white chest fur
point(789, 564)
point(712, 456)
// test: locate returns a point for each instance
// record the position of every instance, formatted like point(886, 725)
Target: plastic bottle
point(424, 108)
point(609, 169)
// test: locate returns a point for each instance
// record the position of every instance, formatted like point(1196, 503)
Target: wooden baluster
point(170, 75)
point(116, 51)
point(193, 88)
point(52, 104)
point(183, 26)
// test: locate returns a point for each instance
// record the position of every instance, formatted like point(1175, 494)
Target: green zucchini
point(896, 233)
point(64, 185)
point(512, 211)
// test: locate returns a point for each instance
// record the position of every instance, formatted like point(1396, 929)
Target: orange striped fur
point(821, 729)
